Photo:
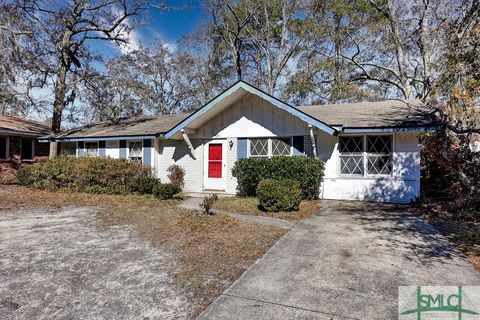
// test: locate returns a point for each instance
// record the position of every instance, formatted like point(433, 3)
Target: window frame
point(269, 147)
point(128, 149)
point(365, 154)
point(85, 149)
point(7, 148)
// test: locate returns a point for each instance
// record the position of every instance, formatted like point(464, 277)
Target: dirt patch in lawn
point(249, 205)
point(211, 251)
point(464, 234)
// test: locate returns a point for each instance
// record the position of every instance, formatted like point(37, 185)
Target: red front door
point(215, 160)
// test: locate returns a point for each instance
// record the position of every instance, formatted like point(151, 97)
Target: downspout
point(188, 142)
point(312, 137)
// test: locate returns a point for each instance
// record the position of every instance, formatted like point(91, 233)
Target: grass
point(210, 251)
point(460, 228)
point(249, 205)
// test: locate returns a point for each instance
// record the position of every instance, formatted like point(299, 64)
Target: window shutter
point(298, 145)
point(147, 152)
point(123, 149)
point(101, 149)
point(241, 148)
point(81, 146)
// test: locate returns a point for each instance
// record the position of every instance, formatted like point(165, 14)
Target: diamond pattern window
point(135, 151)
point(379, 155)
point(258, 148)
point(281, 147)
point(351, 155)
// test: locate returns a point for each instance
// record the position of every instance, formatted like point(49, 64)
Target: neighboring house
point(19, 143)
point(370, 149)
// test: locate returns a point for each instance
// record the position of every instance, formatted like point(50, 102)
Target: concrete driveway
point(65, 265)
point(346, 262)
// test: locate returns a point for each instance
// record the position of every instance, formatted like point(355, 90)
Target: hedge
point(89, 174)
point(307, 171)
point(279, 195)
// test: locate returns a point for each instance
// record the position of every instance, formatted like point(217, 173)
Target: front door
point(215, 165)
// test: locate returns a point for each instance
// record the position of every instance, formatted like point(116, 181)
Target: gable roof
point(240, 86)
point(381, 114)
point(15, 125)
point(141, 127)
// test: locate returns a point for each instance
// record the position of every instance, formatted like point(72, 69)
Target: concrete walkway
point(346, 262)
point(193, 203)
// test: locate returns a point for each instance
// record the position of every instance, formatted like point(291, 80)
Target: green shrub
point(176, 174)
point(143, 184)
point(52, 175)
point(88, 174)
point(166, 190)
point(307, 171)
point(279, 195)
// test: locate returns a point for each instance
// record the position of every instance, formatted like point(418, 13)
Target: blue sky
point(167, 25)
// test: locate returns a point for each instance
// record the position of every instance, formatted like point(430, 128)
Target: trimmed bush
point(279, 195)
point(307, 171)
point(88, 174)
point(144, 184)
point(166, 190)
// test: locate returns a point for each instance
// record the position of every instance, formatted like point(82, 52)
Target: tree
point(21, 58)
point(64, 29)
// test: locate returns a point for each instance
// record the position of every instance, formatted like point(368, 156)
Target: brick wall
point(10, 166)
point(168, 152)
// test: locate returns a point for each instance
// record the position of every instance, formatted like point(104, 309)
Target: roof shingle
point(381, 114)
point(19, 125)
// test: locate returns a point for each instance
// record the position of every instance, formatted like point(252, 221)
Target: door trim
point(215, 183)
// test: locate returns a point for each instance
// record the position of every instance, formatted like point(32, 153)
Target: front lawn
point(210, 251)
point(249, 205)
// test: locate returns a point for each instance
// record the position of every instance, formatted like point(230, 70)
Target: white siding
point(402, 186)
point(112, 149)
point(252, 116)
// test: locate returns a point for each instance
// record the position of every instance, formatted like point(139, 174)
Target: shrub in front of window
point(166, 191)
point(307, 171)
point(176, 174)
point(279, 195)
point(88, 174)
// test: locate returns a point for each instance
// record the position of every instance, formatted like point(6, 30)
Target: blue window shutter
point(242, 148)
point(81, 146)
point(147, 152)
point(298, 146)
point(101, 149)
point(123, 149)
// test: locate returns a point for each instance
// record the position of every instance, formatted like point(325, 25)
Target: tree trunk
point(53, 150)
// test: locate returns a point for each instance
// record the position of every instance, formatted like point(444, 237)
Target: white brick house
point(370, 150)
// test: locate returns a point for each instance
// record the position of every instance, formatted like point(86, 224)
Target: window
point(379, 154)
point(3, 148)
point(135, 151)
point(281, 147)
point(68, 148)
point(268, 147)
point(370, 155)
point(351, 155)
point(91, 149)
point(27, 149)
point(258, 148)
